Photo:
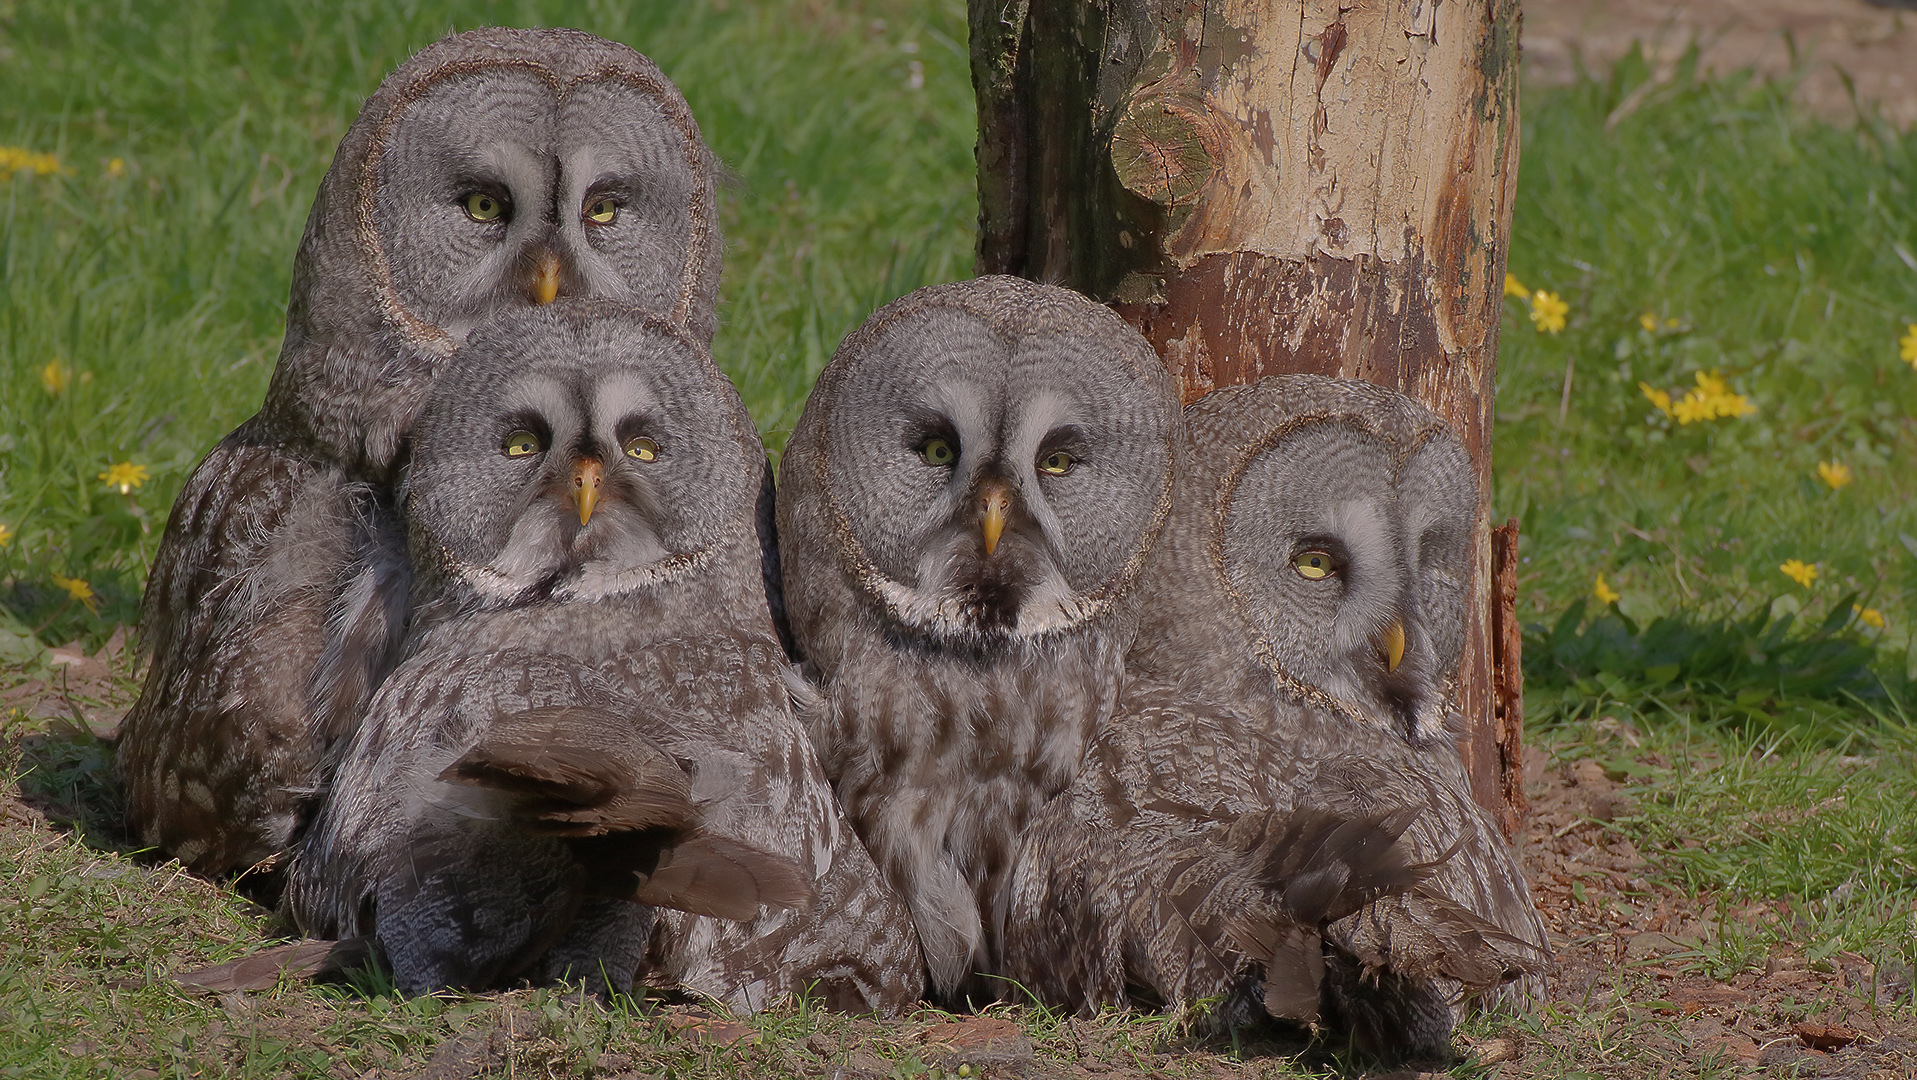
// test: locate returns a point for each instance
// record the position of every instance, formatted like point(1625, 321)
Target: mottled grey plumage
point(646, 601)
point(264, 647)
point(1146, 881)
point(962, 669)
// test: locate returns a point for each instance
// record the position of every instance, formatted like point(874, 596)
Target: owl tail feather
point(711, 875)
point(582, 774)
point(578, 771)
point(1314, 866)
point(1350, 879)
point(298, 961)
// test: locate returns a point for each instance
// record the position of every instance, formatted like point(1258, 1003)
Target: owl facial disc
point(1344, 540)
point(993, 481)
point(578, 450)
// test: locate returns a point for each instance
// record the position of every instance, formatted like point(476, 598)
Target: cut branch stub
point(1262, 187)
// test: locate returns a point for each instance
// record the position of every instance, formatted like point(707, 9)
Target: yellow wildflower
point(1603, 592)
point(78, 589)
point(1907, 345)
point(1690, 409)
point(1514, 287)
point(55, 376)
point(124, 475)
point(15, 159)
point(1548, 311)
point(1800, 571)
point(1648, 321)
point(1656, 397)
point(116, 168)
point(6, 534)
point(1869, 616)
point(1711, 399)
point(1834, 473)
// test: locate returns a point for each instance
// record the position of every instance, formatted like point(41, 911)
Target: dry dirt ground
point(1625, 1000)
point(1873, 45)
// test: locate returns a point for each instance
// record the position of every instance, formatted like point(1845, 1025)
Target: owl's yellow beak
point(994, 502)
point(585, 487)
point(545, 282)
point(1391, 644)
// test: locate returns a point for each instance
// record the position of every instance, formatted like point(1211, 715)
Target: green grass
point(1769, 247)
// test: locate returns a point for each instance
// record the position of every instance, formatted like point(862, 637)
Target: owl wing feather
point(217, 754)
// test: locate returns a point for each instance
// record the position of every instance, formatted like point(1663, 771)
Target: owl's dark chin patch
point(992, 601)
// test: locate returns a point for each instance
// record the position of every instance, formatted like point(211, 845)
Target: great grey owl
point(962, 509)
point(1270, 683)
point(583, 505)
point(492, 171)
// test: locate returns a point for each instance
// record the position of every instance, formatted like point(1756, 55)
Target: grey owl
point(962, 509)
point(1341, 524)
point(1161, 876)
point(583, 505)
point(492, 171)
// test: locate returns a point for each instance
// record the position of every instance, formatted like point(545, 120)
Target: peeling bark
point(1262, 187)
point(1507, 677)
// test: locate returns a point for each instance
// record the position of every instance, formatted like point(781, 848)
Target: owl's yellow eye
point(521, 443)
point(602, 211)
point(642, 448)
point(937, 452)
point(483, 207)
point(1057, 463)
point(1313, 565)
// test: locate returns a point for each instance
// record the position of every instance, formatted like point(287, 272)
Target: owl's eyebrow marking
point(526, 420)
point(1064, 437)
point(922, 423)
point(1330, 545)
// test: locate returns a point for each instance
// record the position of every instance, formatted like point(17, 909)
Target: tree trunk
point(1260, 187)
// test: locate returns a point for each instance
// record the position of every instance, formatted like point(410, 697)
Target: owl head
point(984, 462)
point(579, 451)
point(495, 170)
point(1332, 520)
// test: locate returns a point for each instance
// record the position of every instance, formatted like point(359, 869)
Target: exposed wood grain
point(1507, 676)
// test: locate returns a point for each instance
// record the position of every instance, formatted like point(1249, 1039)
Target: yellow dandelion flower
point(16, 159)
point(116, 168)
point(1907, 345)
point(1710, 399)
point(124, 475)
point(1869, 616)
point(1514, 287)
point(1603, 592)
point(1648, 321)
point(55, 376)
point(78, 589)
point(1548, 311)
point(1656, 397)
point(1691, 409)
point(6, 534)
point(1799, 571)
point(1834, 473)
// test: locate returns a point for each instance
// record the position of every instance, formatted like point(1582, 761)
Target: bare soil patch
point(1873, 45)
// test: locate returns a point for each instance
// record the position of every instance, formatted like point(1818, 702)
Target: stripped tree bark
point(1271, 186)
